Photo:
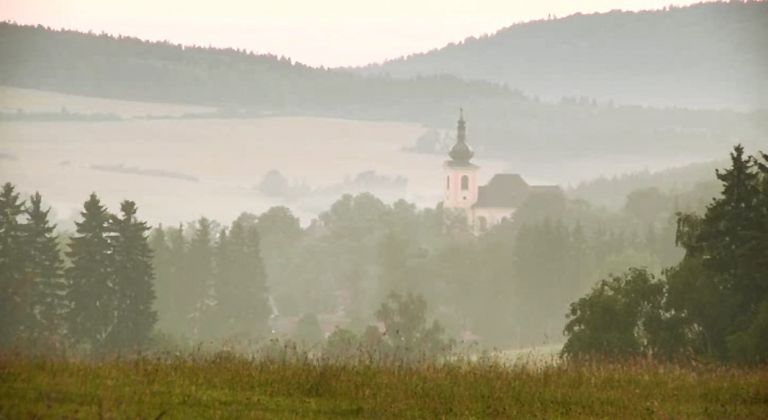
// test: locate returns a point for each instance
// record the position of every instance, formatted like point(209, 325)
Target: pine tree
point(161, 261)
point(90, 287)
point(242, 294)
point(176, 286)
point(198, 284)
point(133, 277)
point(16, 306)
point(45, 269)
point(215, 321)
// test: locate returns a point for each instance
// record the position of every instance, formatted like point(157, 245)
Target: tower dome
point(461, 153)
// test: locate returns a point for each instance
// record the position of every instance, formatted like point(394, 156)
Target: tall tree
point(16, 306)
point(199, 277)
point(45, 268)
point(242, 291)
point(133, 278)
point(161, 261)
point(90, 286)
point(176, 284)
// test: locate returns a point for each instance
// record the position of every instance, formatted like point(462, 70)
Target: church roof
point(503, 190)
point(510, 191)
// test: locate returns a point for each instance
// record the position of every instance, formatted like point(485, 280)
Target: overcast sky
point(316, 32)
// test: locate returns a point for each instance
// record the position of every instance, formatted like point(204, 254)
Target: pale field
point(229, 157)
point(31, 100)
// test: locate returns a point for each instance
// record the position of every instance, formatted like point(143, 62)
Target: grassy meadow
point(225, 386)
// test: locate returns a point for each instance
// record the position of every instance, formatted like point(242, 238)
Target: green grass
point(231, 387)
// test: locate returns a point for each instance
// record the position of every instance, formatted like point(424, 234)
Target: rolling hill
point(504, 124)
point(709, 55)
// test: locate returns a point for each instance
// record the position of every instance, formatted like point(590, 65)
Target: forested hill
point(706, 55)
point(121, 67)
point(503, 123)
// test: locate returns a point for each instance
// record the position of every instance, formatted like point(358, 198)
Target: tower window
point(464, 183)
point(448, 182)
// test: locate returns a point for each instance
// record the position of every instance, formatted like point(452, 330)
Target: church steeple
point(461, 153)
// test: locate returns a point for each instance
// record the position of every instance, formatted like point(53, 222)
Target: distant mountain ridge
point(709, 55)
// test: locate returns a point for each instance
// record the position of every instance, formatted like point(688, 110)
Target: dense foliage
point(712, 304)
point(266, 276)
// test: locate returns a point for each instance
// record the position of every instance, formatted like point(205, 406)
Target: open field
point(32, 100)
point(212, 166)
point(217, 163)
point(229, 387)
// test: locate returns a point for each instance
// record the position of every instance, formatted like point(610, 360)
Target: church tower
point(460, 182)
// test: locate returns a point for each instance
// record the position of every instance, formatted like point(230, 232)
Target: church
point(484, 205)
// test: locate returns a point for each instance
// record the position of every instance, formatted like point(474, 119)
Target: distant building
point(485, 205)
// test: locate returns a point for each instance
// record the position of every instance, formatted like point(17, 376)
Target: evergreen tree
point(215, 322)
point(90, 286)
point(133, 278)
point(161, 261)
point(175, 286)
point(45, 269)
point(242, 291)
point(16, 305)
point(196, 294)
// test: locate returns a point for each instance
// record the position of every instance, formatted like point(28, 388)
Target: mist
point(588, 188)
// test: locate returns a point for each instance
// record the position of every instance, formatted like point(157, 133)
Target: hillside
point(504, 124)
point(708, 55)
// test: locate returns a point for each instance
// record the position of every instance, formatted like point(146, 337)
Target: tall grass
point(229, 386)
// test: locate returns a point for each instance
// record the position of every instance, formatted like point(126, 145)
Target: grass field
point(231, 387)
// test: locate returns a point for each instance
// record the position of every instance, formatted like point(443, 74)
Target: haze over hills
point(710, 55)
point(504, 124)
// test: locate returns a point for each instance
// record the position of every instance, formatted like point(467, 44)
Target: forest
point(682, 277)
point(676, 56)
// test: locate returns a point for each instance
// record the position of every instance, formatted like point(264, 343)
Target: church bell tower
point(460, 181)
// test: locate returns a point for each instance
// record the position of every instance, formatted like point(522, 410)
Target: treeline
point(673, 57)
point(211, 282)
point(506, 287)
point(713, 304)
point(100, 301)
point(503, 122)
point(265, 276)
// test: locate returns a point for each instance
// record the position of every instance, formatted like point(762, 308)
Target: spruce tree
point(242, 297)
point(133, 278)
point(198, 284)
point(161, 261)
point(215, 319)
point(45, 269)
point(90, 287)
point(176, 285)
point(16, 306)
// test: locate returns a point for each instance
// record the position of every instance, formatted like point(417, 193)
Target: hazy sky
point(316, 32)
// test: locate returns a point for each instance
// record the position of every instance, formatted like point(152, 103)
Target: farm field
point(32, 100)
point(225, 386)
point(212, 167)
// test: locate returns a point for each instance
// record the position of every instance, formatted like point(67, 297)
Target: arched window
point(464, 183)
point(448, 182)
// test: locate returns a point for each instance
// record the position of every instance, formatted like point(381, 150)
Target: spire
point(461, 153)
